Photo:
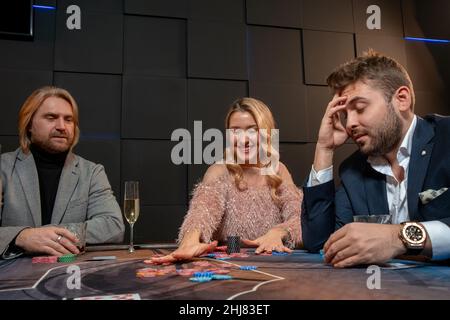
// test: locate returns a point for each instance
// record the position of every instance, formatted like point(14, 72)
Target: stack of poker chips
point(233, 244)
point(67, 258)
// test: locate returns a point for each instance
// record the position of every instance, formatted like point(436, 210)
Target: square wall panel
point(275, 55)
point(298, 159)
point(209, 101)
point(391, 46)
point(328, 15)
point(157, 224)
point(286, 13)
point(288, 106)
point(161, 182)
point(390, 13)
point(195, 176)
point(96, 47)
point(155, 46)
point(153, 107)
point(107, 153)
point(17, 86)
point(161, 8)
point(35, 54)
point(317, 99)
point(217, 50)
point(426, 19)
point(9, 143)
point(324, 51)
point(98, 97)
point(103, 6)
point(218, 10)
point(428, 102)
point(428, 65)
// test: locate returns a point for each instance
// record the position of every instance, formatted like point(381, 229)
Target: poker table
point(299, 275)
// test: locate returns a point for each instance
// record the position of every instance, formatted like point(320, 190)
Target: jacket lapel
point(27, 172)
point(67, 184)
point(422, 146)
point(375, 187)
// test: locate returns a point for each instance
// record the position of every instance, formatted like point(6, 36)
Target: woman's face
point(244, 137)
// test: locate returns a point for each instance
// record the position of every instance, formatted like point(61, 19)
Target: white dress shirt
point(438, 232)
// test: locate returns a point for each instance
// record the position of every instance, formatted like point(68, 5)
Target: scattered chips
point(221, 277)
point(248, 267)
point(67, 258)
point(45, 259)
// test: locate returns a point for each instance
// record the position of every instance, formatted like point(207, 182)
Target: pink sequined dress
point(219, 209)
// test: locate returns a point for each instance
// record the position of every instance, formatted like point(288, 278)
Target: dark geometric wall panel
point(94, 48)
point(9, 143)
point(154, 46)
point(390, 46)
point(286, 13)
point(98, 97)
point(425, 73)
point(157, 224)
point(317, 99)
point(324, 51)
point(36, 54)
point(162, 8)
point(219, 10)
point(195, 175)
point(287, 103)
point(209, 100)
point(149, 162)
point(16, 86)
point(432, 102)
point(275, 55)
point(103, 6)
point(217, 50)
point(391, 17)
point(107, 153)
point(153, 107)
point(328, 15)
point(298, 158)
point(426, 19)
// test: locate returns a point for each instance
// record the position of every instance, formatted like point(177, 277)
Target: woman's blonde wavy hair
point(33, 103)
point(264, 120)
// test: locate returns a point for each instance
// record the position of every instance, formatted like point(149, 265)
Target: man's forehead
point(56, 105)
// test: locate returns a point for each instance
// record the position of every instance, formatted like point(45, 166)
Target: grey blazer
point(84, 194)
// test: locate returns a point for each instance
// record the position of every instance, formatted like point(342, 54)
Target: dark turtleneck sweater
point(49, 167)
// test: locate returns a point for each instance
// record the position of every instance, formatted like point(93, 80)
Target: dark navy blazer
point(363, 190)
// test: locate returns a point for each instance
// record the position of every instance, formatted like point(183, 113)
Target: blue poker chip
point(248, 267)
point(200, 279)
point(207, 274)
point(211, 255)
point(221, 277)
point(278, 253)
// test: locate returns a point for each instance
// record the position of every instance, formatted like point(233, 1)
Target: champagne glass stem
point(131, 248)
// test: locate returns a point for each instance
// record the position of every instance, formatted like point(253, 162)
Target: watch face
point(414, 233)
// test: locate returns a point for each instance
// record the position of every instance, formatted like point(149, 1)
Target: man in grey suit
point(46, 186)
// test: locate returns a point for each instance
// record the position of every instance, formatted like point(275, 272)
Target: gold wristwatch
point(413, 236)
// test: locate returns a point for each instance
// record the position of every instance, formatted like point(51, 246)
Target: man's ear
point(403, 98)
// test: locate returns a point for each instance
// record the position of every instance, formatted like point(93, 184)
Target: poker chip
point(186, 272)
point(239, 255)
point(233, 244)
point(67, 258)
point(200, 279)
point(248, 267)
point(45, 259)
point(203, 274)
point(221, 248)
point(278, 253)
point(221, 277)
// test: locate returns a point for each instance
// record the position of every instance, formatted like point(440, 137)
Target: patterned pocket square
point(430, 194)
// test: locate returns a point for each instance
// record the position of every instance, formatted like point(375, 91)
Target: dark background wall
point(140, 69)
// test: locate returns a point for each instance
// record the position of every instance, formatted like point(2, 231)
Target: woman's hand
point(271, 241)
point(187, 251)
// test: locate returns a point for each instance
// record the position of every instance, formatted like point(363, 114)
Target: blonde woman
point(241, 197)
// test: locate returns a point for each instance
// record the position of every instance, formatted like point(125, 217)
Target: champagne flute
point(131, 207)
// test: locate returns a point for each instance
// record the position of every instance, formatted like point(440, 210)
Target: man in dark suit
point(402, 169)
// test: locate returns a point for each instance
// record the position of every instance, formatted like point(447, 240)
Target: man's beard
point(54, 148)
point(385, 137)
